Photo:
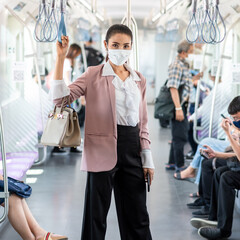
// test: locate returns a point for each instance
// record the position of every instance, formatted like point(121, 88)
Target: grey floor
point(58, 197)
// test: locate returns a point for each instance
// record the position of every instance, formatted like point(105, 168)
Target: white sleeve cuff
point(147, 160)
point(58, 89)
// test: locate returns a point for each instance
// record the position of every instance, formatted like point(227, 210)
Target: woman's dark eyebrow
point(123, 44)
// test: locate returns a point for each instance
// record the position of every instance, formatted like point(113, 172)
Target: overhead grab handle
point(48, 28)
point(62, 26)
point(192, 33)
point(204, 24)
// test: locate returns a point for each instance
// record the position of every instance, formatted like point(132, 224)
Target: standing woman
point(116, 152)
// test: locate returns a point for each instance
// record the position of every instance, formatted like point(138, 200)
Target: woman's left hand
point(150, 171)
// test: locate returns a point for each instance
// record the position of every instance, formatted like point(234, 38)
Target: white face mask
point(118, 57)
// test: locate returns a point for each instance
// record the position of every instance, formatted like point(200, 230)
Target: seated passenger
point(190, 171)
point(23, 222)
point(225, 180)
point(216, 160)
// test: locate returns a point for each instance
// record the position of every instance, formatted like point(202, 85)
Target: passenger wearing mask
point(23, 222)
point(68, 67)
point(179, 82)
point(213, 159)
point(225, 180)
point(117, 153)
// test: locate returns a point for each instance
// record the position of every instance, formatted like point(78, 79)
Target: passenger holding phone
point(225, 180)
point(116, 151)
point(209, 153)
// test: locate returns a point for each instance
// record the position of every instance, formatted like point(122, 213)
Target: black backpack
point(164, 106)
point(94, 57)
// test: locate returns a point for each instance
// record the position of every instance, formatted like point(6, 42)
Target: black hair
point(118, 28)
point(234, 106)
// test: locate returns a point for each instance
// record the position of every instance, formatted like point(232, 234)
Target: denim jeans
point(215, 144)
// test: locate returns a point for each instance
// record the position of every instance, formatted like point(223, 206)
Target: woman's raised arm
point(62, 49)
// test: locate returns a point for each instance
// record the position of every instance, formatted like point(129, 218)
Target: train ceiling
point(116, 9)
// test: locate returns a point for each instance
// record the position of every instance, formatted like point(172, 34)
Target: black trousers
point(224, 183)
point(179, 138)
point(205, 186)
point(127, 181)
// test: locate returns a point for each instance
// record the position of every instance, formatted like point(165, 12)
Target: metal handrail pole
point(4, 164)
point(195, 128)
point(218, 75)
point(43, 159)
point(161, 6)
point(195, 113)
point(84, 55)
point(129, 14)
point(135, 28)
point(124, 20)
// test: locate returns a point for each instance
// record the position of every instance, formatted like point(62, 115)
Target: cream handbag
point(62, 127)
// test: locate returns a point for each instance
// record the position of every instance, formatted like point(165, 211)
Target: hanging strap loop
point(62, 27)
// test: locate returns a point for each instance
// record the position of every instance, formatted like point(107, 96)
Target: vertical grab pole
point(129, 14)
point(161, 6)
point(218, 76)
point(84, 55)
point(135, 28)
point(132, 24)
point(195, 128)
point(5, 194)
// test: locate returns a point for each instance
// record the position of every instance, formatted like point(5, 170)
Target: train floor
point(58, 197)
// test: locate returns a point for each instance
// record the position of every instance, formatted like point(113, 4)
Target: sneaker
point(197, 204)
point(75, 150)
point(202, 213)
point(199, 222)
point(212, 233)
point(190, 155)
point(58, 151)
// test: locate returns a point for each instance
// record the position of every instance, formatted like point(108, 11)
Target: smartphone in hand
point(148, 182)
point(225, 118)
point(204, 154)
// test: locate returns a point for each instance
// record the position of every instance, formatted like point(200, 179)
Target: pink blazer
point(100, 139)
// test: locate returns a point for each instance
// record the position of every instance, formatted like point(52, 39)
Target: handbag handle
point(62, 104)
